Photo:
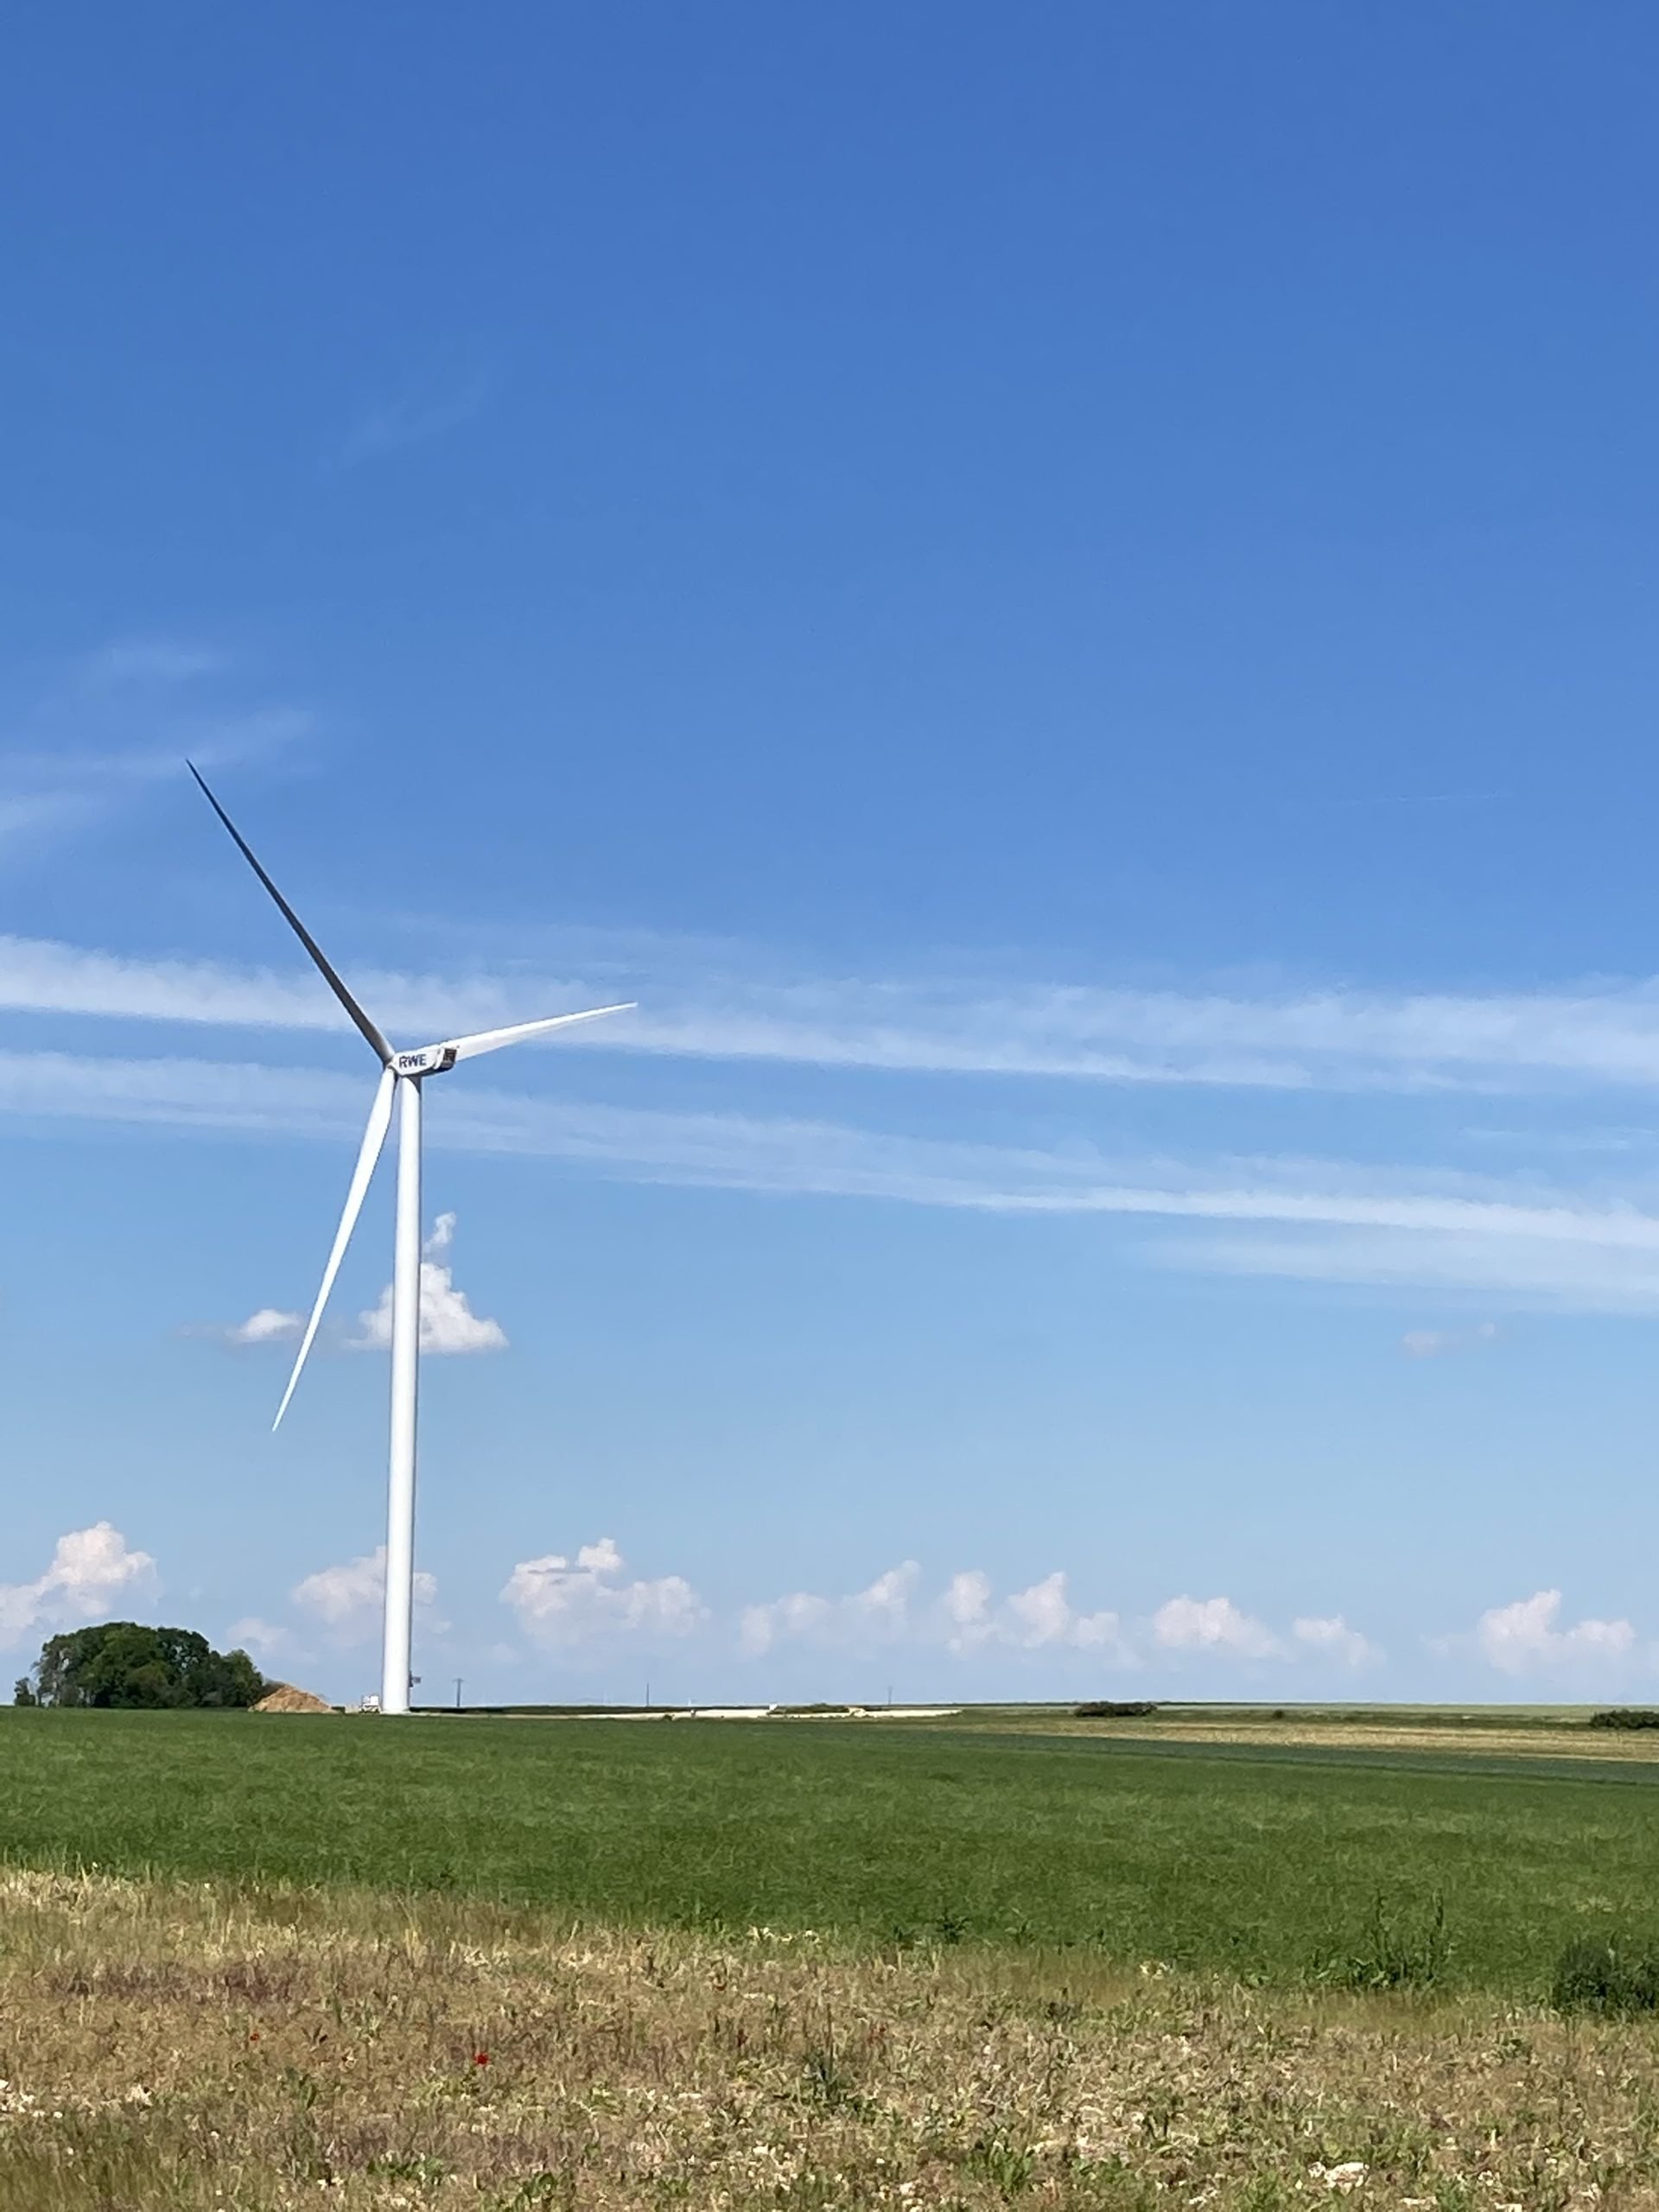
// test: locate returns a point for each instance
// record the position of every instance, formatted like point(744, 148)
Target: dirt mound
point(283, 1697)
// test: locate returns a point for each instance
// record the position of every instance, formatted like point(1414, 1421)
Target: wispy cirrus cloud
point(39, 976)
point(1572, 1266)
point(120, 722)
point(1311, 1219)
point(1435, 1343)
point(423, 410)
point(1331, 1041)
point(152, 660)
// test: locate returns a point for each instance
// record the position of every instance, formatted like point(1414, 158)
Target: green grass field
point(1274, 1863)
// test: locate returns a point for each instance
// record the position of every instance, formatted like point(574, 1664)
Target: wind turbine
point(402, 1075)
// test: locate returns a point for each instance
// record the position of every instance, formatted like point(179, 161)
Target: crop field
point(1537, 1731)
point(504, 1964)
point(1288, 1863)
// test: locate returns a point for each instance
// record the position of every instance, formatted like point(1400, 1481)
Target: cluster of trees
point(124, 1664)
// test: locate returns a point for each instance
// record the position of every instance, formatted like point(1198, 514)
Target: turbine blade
point(373, 1137)
point(318, 955)
point(491, 1041)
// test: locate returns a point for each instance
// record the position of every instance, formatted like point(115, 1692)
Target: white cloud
point(1213, 1625)
point(1524, 1638)
point(561, 1605)
point(349, 1601)
point(262, 1638)
point(39, 977)
point(1431, 1344)
point(564, 1603)
point(91, 1569)
point(447, 1321)
point(967, 1609)
point(750, 1152)
point(151, 660)
point(121, 722)
point(880, 1614)
point(1027, 1621)
point(449, 1324)
point(269, 1325)
point(965, 1618)
point(1331, 1637)
point(1040, 1615)
point(1531, 1243)
point(731, 1005)
point(422, 412)
point(1592, 1275)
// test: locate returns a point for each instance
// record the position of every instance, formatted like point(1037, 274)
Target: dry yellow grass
point(193, 2047)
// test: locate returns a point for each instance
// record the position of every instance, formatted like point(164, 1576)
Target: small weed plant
point(1401, 1948)
point(1615, 1977)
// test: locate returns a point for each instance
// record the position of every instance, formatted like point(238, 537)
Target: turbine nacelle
point(431, 1060)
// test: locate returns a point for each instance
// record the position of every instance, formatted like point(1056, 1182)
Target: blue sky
point(1066, 601)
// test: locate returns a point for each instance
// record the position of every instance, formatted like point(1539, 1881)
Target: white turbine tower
point(402, 1075)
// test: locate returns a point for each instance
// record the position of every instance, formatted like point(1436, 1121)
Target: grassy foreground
point(1283, 1864)
point(202, 2050)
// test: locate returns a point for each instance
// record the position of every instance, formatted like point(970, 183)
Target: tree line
point(125, 1664)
